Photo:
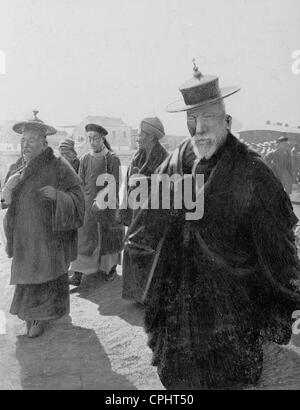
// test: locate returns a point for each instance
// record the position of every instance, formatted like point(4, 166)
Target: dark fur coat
point(42, 235)
point(136, 260)
point(223, 284)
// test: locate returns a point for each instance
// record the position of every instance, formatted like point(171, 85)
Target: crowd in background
point(283, 157)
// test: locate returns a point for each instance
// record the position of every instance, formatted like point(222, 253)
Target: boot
point(111, 275)
point(75, 279)
point(36, 329)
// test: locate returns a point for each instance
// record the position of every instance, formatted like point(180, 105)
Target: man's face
point(33, 143)
point(208, 128)
point(68, 155)
point(144, 141)
point(96, 141)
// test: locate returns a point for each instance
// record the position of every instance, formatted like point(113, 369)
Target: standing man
point(45, 209)
point(100, 238)
point(281, 164)
point(67, 151)
point(150, 154)
point(223, 284)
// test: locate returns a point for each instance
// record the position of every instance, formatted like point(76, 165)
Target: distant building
point(134, 134)
point(8, 136)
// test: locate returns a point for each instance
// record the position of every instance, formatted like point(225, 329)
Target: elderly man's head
point(33, 142)
point(208, 126)
point(151, 130)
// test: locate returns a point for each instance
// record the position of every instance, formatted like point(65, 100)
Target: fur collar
point(37, 163)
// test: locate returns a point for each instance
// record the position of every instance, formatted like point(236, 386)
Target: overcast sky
point(127, 58)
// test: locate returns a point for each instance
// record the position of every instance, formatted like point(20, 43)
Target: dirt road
point(102, 345)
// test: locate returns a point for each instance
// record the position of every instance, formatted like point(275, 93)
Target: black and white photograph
point(150, 197)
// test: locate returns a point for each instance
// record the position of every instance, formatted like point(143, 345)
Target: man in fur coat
point(45, 209)
point(224, 284)
point(150, 154)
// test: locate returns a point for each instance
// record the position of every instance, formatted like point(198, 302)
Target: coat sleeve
point(125, 214)
point(116, 164)
point(82, 169)
point(272, 221)
point(69, 207)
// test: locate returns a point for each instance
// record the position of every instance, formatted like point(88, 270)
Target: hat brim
point(178, 106)
point(20, 126)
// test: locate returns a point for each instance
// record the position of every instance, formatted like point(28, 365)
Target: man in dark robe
point(150, 154)
point(226, 283)
point(45, 209)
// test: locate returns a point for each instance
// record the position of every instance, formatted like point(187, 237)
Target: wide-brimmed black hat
point(96, 128)
point(200, 90)
point(35, 123)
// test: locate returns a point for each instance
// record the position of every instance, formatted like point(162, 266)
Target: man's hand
point(48, 193)
point(11, 183)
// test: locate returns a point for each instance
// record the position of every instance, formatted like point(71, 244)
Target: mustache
point(203, 137)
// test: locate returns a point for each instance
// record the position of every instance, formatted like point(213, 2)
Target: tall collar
point(38, 162)
point(100, 154)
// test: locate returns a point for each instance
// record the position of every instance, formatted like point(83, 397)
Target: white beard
point(206, 150)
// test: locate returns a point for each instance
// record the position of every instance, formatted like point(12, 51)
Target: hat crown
point(153, 126)
point(200, 90)
point(35, 118)
point(96, 128)
point(34, 122)
point(200, 87)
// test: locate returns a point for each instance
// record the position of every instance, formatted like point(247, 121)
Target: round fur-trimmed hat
point(36, 123)
point(96, 128)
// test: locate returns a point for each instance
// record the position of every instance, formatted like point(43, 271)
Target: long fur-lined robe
point(223, 284)
point(136, 260)
point(42, 235)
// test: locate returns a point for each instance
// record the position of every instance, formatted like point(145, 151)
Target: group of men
point(214, 290)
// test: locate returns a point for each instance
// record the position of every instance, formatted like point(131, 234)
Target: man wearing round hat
point(67, 151)
point(149, 156)
point(225, 283)
point(101, 237)
point(45, 209)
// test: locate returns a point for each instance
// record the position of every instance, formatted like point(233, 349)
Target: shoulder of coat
point(113, 156)
point(84, 157)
